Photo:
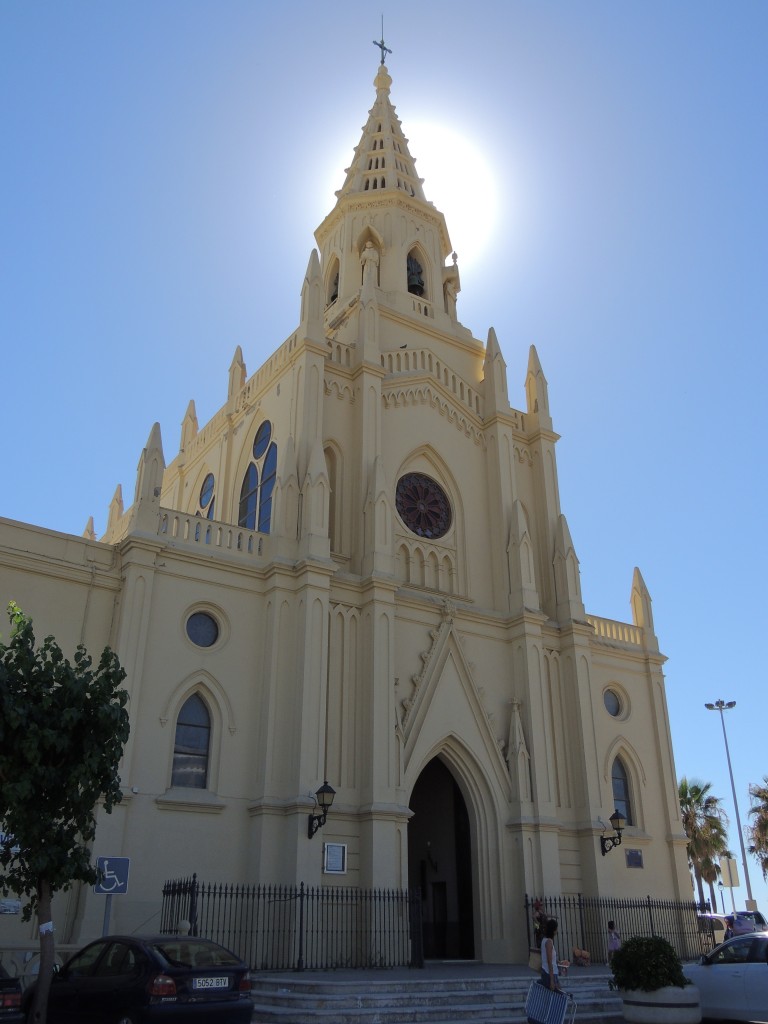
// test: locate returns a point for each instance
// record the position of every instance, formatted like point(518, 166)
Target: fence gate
point(293, 927)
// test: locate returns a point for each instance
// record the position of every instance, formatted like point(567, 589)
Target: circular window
point(423, 505)
point(202, 629)
point(612, 703)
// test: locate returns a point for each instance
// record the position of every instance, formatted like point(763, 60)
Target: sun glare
point(459, 181)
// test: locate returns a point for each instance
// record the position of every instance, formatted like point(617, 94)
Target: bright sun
point(459, 181)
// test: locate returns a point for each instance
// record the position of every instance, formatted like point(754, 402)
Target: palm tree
point(706, 826)
point(757, 832)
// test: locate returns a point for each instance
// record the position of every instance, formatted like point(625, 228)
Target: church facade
point(359, 572)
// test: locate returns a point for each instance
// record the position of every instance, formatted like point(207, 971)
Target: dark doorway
point(440, 862)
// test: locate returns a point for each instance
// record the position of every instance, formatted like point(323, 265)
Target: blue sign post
point(113, 881)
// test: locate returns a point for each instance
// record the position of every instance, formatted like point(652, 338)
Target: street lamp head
point(721, 705)
point(607, 843)
point(324, 797)
point(618, 821)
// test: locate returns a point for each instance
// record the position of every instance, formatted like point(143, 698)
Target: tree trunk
point(713, 897)
point(700, 887)
point(47, 954)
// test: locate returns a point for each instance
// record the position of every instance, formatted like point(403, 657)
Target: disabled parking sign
point(113, 876)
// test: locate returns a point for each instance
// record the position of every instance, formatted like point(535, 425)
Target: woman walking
point(550, 974)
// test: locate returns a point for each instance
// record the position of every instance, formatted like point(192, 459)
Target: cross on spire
point(384, 49)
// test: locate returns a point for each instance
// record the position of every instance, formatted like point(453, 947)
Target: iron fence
point(290, 927)
point(582, 922)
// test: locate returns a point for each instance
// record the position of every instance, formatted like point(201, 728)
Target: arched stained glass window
point(262, 439)
point(249, 497)
point(190, 750)
point(268, 477)
point(207, 497)
point(255, 511)
point(621, 799)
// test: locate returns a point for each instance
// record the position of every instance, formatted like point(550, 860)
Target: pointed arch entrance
point(440, 862)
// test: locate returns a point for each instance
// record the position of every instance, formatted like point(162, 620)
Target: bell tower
point(385, 233)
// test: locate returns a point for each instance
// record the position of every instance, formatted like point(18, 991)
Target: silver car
point(733, 979)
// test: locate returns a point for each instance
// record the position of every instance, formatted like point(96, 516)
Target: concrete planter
point(669, 1005)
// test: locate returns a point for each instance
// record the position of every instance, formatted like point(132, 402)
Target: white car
point(733, 979)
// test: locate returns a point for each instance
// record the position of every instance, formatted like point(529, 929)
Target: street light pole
point(721, 706)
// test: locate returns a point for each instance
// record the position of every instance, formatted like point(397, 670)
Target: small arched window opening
point(333, 283)
point(621, 799)
point(415, 275)
point(375, 183)
point(192, 745)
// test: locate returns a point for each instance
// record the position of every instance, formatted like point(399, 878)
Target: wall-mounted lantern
point(324, 798)
point(608, 842)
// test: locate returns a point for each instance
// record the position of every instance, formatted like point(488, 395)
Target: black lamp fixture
point(324, 797)
point(608, 842)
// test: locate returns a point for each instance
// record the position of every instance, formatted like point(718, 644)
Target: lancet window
point(255, 511)
point(192, 745)
point(621, 797)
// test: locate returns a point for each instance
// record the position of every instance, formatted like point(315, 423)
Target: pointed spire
point(237, 374)
point(537, 391)
point(640, 600)
point(89, 532)
point(315, 506)
point(149, 474)
point(312, 300)
point(189, 426)
point(377, 519)
point(518, 758)
point(567, 579)
point(522, 572)
point(382, 159)
point(116, 509)
point(286, 501)
point(495, 375)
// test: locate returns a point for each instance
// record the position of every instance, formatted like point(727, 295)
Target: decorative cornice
point(399, 395)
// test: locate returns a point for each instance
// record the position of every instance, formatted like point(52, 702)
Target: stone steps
point(320, 999)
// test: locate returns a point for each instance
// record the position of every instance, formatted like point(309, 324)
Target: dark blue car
point(130, 979)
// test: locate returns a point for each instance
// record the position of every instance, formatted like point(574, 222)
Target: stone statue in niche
point(370, 261)
point(449, 289)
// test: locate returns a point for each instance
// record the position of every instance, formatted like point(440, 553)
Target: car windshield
point(752, 915)
point(194, 953)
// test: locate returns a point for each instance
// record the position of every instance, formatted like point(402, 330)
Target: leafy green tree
point(758, 830)
point(62, 731)
point(706, 826)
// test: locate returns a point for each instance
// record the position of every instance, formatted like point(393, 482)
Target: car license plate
point(198, 983)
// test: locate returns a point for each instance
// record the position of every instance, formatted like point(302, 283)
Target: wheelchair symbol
point(112, 880)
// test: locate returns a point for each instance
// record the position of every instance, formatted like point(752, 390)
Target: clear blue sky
point(164, 168)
